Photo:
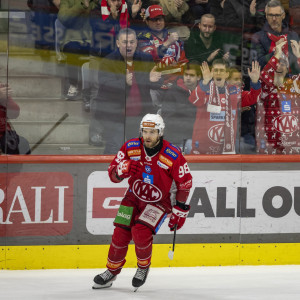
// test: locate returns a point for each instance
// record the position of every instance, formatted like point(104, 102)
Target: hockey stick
point(171, 252)
point(49, 131)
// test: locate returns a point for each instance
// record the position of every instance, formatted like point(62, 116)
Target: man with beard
point(264, 41)
point(177, 110)
point(278, 111)
point(204, 43)
point(151, 165)
point(217, 105)
point(125, 79)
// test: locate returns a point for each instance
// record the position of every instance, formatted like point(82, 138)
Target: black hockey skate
point(104, 280)
point(139, 278)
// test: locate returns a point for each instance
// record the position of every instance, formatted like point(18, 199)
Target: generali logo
point(36, 204)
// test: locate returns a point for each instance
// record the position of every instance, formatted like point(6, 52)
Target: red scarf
point(214, 106)
point(274, 39)
point(123, 13)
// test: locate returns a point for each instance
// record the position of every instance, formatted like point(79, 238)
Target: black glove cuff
point(183, 206)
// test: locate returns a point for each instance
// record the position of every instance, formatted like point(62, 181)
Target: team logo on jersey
point(165, 160)
point(148, 169)
point(135, 152)
point(148, 178)
point(146, 192)
point(133, 144)
point(216, 134)
point(171, 153)
point(286, 123)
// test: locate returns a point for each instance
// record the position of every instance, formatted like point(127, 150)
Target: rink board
point(58, 212)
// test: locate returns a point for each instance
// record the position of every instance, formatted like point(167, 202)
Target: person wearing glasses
point(217, 103)
point(275, 29)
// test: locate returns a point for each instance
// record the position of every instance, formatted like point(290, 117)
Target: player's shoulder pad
point(133, 143)
point(171, 151)
point(133, 148)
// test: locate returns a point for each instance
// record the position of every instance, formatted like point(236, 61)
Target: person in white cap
point(151, 164)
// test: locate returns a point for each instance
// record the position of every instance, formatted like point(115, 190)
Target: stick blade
point(171, 254)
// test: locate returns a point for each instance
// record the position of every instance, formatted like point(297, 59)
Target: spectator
point(199, 8)
point(44, 13)
point(265, 41)
point(164, 46)
point(177, 11)
point(217, 104)
point(216, 9)
point(204, 43)
point(10, 141)
point(74, 16)
point(177, 110)
point(239, 13)
point(278, 111)
point(125, 79)
point(245, 133)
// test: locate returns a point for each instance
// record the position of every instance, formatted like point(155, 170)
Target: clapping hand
point(154, 75)
point(135, 8)
point(278, 48)
point(254, 74)
point(295, 48)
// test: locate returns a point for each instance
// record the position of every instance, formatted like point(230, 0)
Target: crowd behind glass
point(224, 75)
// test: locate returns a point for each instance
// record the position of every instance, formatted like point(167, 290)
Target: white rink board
point(271, 197)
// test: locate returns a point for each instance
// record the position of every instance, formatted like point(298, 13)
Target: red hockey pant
point(143, 239)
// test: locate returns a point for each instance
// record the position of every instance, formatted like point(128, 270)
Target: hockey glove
point(179, 214)
point(127, 168)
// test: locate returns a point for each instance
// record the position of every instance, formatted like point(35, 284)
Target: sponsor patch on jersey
point(135, 152)
point(171, 153)
point(165, 160)
point(148, 169)
point(217, 117)
point(133, 144)
point(286, 106)
point(148, 178)
point(135, 158)
point(162, 165)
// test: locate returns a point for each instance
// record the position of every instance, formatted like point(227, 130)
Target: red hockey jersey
point(153, 184)
point(278, 113)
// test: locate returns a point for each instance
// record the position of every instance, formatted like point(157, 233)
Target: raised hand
point(254, 74)
point(206, 73)
point(135, 8)
point(252, 7)
point(295, 48)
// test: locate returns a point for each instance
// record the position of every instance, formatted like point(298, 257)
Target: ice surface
point(211, 283)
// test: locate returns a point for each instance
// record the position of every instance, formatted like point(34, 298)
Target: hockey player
point(151, 164)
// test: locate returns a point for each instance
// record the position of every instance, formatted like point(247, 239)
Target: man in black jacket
point(125, 79)
point(273, 33)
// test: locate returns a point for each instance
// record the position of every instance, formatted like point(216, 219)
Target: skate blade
point(97, 286)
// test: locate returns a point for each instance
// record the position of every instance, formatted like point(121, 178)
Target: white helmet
point(153, 121)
